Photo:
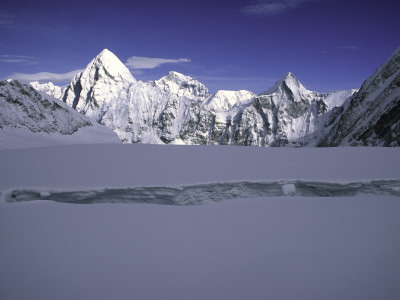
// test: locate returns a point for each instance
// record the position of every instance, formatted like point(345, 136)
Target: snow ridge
point(23, 107)
point(210, 192)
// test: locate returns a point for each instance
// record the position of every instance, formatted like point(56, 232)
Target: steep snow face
point(181, 85)
point(337, 98)
point(136, 112)
point(21, 106)
point(226, 100)
point(372, 115)
point(49, 88)
point(105, 79)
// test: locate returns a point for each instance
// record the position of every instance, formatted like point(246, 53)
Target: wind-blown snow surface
point(260, 248)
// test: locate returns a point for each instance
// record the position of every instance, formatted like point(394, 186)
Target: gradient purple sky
point(328, 44)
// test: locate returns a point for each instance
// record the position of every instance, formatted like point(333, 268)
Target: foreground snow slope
point(261, 248)
point(275, 248)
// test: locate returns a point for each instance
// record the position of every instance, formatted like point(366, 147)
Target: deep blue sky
point(247, 44)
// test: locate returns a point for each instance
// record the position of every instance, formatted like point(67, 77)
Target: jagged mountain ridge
point(22, 106)
point(372, 116)
point(49, 89)
point(179, 109)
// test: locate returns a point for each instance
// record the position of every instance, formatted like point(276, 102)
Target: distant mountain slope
point(372, 116)
point(179, 109)
point(337, 98)
point(49, 88)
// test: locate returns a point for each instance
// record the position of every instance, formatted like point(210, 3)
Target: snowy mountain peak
point(104, 78)
point(106, 53)
point(112, 66)
point(289, 88)
point(182, 85)
point(289, 81)
point(173, 75)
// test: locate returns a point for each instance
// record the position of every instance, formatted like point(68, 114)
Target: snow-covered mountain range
point(178, 109)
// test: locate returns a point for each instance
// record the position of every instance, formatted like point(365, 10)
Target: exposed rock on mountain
point(372, 116)
point(21, 106)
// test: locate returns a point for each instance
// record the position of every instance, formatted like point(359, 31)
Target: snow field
point(261, 248)
point(264, 247)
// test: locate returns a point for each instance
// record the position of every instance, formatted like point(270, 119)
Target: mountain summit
point(102, 80)
point(289, 87)
point(182, 85)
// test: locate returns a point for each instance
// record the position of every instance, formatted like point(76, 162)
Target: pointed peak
point(112, 64)
point(105, 51)
point(289, 77)
point(289, 80)
point(107, 55)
